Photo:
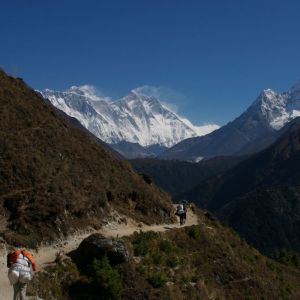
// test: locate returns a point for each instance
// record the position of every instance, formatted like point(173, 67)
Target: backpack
point(30, 257)
point(17, 272)
point(179, 209)
point(13, 256)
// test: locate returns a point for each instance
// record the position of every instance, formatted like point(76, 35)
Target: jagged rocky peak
point(279, 108)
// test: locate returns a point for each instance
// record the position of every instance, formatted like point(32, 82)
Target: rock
point(97, 246)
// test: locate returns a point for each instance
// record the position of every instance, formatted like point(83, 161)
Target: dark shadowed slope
point(176, 176)
point(55, 178)
point(260, 197)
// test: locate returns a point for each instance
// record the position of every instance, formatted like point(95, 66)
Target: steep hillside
point(251, 132)
point(207, 261)
point(260, 197)
point(55, 178)
point(176, 176)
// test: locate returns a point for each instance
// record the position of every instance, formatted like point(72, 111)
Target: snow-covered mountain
point(253, 130)
point(279, 109)
point(135, 118)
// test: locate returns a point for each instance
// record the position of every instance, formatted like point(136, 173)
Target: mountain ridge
point(135, 118)
point(261, 121)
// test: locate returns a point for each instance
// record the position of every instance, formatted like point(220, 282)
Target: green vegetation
point(106, 279)
point(194, 233)
point(55, 282)
point(64, 281)
point(158, 280)
point(142, 241)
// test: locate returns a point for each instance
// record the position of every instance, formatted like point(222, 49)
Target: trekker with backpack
point(185, 208)
point(181, 213)
point(21, 266)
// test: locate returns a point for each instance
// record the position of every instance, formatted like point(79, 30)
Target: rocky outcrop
point(97, 246)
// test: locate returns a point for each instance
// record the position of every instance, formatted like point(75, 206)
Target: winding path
point(46, 254)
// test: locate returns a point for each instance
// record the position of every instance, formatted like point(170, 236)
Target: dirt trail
point(46, 254)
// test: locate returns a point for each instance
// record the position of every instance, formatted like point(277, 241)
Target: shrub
point(106, 278)
point(172, 261)
point(54, 283)
point(157, 280)
point(157, 258)
point(141, 269)
point(166, 246)
point(194, 233)
point(141, 243)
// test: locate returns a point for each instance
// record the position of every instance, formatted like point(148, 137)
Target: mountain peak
point(136, 93)
point(269, 93)
point(268, 100)
point(86, 90)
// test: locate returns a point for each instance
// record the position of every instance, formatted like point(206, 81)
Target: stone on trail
point(97, 246)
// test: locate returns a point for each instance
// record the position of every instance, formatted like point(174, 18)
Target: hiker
point(185, 208)
point(180, 212)
point(21, 266)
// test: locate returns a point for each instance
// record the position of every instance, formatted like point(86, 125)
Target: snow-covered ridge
point(279, 108)
point(135, 118)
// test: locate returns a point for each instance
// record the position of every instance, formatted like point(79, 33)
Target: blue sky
point(209, 58)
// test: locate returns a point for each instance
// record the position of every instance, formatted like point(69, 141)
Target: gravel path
point(47, 254)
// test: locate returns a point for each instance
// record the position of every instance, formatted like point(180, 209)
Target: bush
point(172, 261)
point(141, 243)
point(194, 233)
point(166, 246)
point(54, 282)
point(156, 258)
point(107, 279)
point(157, 280)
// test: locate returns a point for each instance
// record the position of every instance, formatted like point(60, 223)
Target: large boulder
point(97, 246)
